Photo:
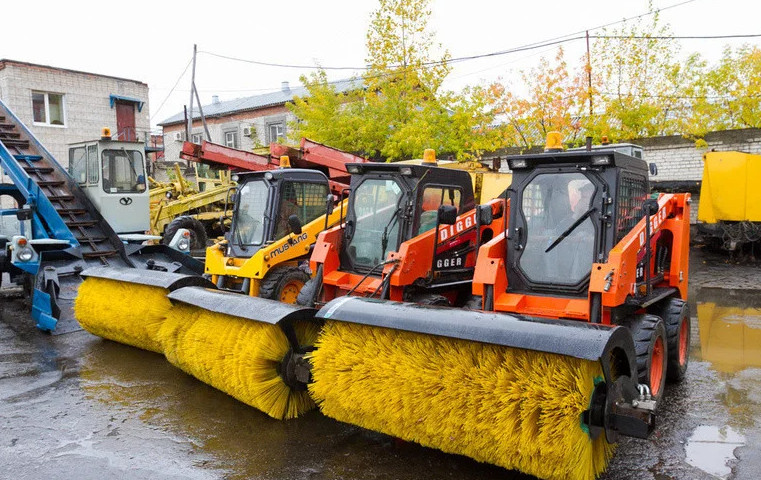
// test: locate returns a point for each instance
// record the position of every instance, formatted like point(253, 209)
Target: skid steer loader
point(395, 210)
point(583, 317)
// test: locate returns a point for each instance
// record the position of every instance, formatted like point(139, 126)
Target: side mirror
point(329, 204)
point(650, 207)
point(294, 224)
point(653, 169)
point(447, 215)
point(484, 215)
point(24, 214)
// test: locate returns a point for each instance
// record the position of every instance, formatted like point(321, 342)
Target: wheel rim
point(684, 339)
point(290, 291)
point(656, 367)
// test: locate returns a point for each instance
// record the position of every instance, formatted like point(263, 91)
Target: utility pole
point(189, 126)
point(589, 76)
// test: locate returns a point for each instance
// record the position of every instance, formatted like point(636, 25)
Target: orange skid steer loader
point(403, 239)
point(584, 316)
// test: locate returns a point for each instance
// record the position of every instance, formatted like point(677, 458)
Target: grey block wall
point(86, 103)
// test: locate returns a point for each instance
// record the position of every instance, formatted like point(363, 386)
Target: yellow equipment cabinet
point(730, 198)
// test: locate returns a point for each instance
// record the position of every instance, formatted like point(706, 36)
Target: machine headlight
point(25, 254)
point(518, 163)
point(600, 160)
point(184, 242)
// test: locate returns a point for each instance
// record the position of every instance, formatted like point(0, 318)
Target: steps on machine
point(88, 231)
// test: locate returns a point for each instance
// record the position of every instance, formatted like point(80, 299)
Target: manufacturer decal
point(286, 246)
point(460, 226)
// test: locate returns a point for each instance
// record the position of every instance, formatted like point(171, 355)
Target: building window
point(275, 132)
point(231, 139)
point(48, 108)
point(196, 138)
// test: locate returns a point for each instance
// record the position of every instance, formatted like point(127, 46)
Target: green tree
point(725, 96)
point(639, 79)
point(401, 108)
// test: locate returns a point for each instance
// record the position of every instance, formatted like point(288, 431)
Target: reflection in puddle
point(730, 330)
point(710, 448)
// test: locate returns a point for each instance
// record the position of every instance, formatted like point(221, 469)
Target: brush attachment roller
point(128, 305)
point(548, 398)
point(241, 346)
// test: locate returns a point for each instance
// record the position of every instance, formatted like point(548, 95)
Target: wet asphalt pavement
point(76, 406)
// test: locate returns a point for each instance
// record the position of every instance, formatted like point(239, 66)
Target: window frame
point(196, 136)
point(234, 135)
point(278, 123)
point(46, 98)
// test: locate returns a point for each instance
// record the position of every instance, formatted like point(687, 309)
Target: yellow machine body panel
point(731, 189)
point(279, 252)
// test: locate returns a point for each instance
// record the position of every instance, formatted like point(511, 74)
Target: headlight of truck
point(25, 254)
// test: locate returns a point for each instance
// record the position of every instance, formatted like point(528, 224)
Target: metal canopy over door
point(125, 121)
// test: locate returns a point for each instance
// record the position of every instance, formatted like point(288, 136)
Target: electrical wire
point(172, 90)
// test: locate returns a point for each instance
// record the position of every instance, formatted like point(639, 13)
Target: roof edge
point(4, 61)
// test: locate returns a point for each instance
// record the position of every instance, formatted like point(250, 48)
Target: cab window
point(304, 199)
point(428, 205)
point(122, 171)
point(78, 164)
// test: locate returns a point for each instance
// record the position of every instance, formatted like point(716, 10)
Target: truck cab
point(112, 174)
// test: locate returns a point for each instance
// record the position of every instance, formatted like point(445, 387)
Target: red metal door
point(125, 121)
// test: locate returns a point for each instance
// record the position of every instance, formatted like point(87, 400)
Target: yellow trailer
point(729, 213)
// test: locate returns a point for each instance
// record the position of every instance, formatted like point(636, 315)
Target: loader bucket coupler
point(247, 347)
point(523, 393)
point(128, 305)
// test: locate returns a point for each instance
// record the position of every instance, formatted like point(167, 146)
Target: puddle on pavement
point(710, 449)
point(729, 322)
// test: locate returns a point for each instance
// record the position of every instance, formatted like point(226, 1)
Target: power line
point(172, 90)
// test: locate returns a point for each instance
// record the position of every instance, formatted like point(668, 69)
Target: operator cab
point(265, 203)
point(568, 210)
point(112, 174)
point(391, 203)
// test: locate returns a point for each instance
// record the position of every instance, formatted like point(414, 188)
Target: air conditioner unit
point(246, 131)
point(179, 136)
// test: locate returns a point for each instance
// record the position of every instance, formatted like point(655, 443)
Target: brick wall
point(678, 160)
point(86, 103)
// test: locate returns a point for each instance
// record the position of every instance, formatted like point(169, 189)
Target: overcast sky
point(152, 41)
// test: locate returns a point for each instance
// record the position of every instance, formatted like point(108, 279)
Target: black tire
point(676, 316)
point(306, 295)
point(475, 302)
point(280, 282)
point(431, 299)
point(646, 331)
point(197, 232)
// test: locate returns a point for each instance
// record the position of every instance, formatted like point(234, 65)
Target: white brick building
point(243, 123)
point(64, 106)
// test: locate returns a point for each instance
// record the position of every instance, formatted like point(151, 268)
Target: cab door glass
point(248, 220)
point(376, 208)
point(559, 246)
point(123, 171)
